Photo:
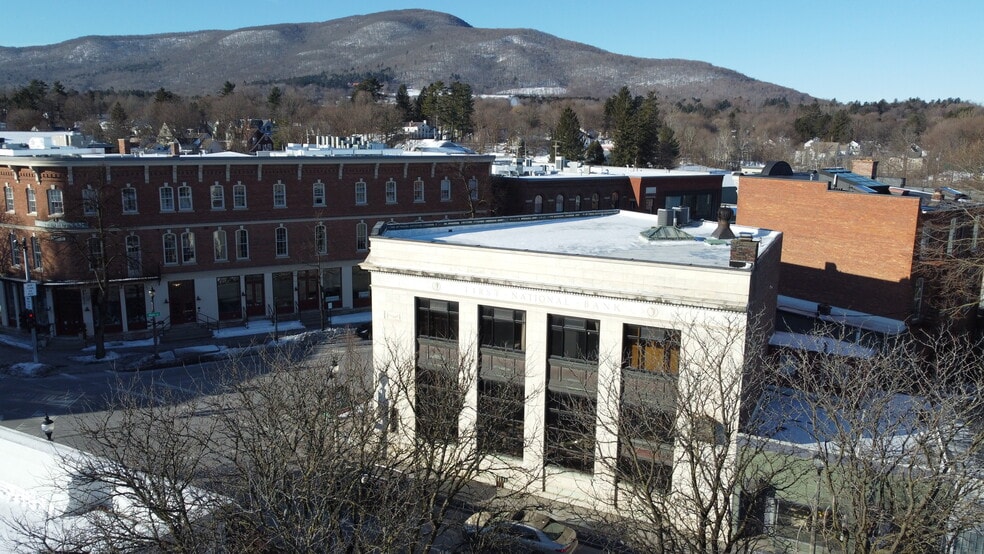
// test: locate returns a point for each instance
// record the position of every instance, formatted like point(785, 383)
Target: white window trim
point(32, 198)
point(242, 231)
point(190, 197)
point(128, 191)
point(164, 249)
point(237, 187)
point(361, 190)
point(192, 247)
point(391, 197)
point(445, 190)
point(279, 195)
point(61, 201)
point(221, 196)
point(277, 242)
point(320, 239)
point(220, 232)
point(361, 236)
point(160, 198)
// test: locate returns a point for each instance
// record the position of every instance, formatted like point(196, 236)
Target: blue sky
point(849, 50)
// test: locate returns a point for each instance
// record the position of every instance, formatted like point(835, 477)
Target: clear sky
point(863, 50)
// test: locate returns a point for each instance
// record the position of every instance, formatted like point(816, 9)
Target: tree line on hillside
point(945, 136)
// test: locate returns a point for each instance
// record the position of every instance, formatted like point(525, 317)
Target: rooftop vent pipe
point(723, 230)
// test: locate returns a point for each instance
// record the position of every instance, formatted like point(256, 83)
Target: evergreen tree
point(668, 150)
point(370, 89)
point(119, 123)
point(595, 154)
point(404, 104)
point(567, 137)
point(814, 123)
point(163, 95)
point(275, 97)
point(227, 88)
point(841, 127)
point(450, 108)
point(637, 124)
point(459, 110)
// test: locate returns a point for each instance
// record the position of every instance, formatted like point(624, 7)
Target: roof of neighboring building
point(835, 314)
point(608, 234)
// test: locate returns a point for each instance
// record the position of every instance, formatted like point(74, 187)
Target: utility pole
point(30, 291)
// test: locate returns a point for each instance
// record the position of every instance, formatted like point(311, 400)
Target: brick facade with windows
point(638, 190)
point(864, 252)
point(140, 199)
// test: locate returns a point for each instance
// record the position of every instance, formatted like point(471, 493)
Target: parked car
point(524, 529)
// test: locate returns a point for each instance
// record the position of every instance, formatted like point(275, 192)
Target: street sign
point(30, 289)
point(154, 314)
point(29, 303)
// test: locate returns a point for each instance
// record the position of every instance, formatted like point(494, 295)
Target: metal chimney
point(723, 230)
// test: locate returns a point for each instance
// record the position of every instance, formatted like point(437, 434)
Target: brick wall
point(846, 249)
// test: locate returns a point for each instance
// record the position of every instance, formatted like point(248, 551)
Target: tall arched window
point(594, 201)
point(361, 236)
point(538, 204)
point(219, 245)
point(133, 261)
point(242, 244)
point(280, 240)
point(170, 248)
point(320, 239)
point(559, 205)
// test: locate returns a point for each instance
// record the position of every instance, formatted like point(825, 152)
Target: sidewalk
point(67, 353)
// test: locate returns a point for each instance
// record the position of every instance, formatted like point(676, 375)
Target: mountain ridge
point(416, 46)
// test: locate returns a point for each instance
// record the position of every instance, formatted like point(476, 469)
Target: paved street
point(69, 388)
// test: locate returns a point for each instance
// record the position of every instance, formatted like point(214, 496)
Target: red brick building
point(219, 238)
point(617, 188)
point(871, 252)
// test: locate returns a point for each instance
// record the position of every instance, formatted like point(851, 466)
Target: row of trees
point(853, 454)
point(721, 133)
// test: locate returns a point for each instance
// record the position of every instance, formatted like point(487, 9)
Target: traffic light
point(31, 322)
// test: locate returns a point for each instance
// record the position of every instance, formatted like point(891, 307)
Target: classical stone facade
point(559, 327)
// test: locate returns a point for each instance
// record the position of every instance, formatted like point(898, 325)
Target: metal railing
point(204, 320)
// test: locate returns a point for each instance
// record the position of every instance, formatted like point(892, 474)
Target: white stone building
point(565, 323)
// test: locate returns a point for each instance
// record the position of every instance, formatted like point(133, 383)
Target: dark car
point(525, 529)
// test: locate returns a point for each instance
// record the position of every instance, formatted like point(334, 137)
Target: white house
point(566, 323)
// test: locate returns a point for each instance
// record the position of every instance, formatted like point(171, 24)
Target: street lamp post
point(29, 301)
point(153, 319)
point(818, 463)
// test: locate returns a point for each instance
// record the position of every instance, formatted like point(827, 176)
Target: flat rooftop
point(608, 234)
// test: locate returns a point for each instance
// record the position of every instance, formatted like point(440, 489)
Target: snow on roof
point(842, 316)
point(816, 343)
point(599, 234)
point(793, 416)
point(36, 484)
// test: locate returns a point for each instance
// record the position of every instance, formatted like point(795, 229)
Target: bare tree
point(688, 473)
point(898, 441)
point(92, 244)
point(285, 453)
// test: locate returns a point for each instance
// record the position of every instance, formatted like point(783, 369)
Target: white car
point(531, 530)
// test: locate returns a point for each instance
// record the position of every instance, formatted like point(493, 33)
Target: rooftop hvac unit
point(682, 215)
point(664, 218)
